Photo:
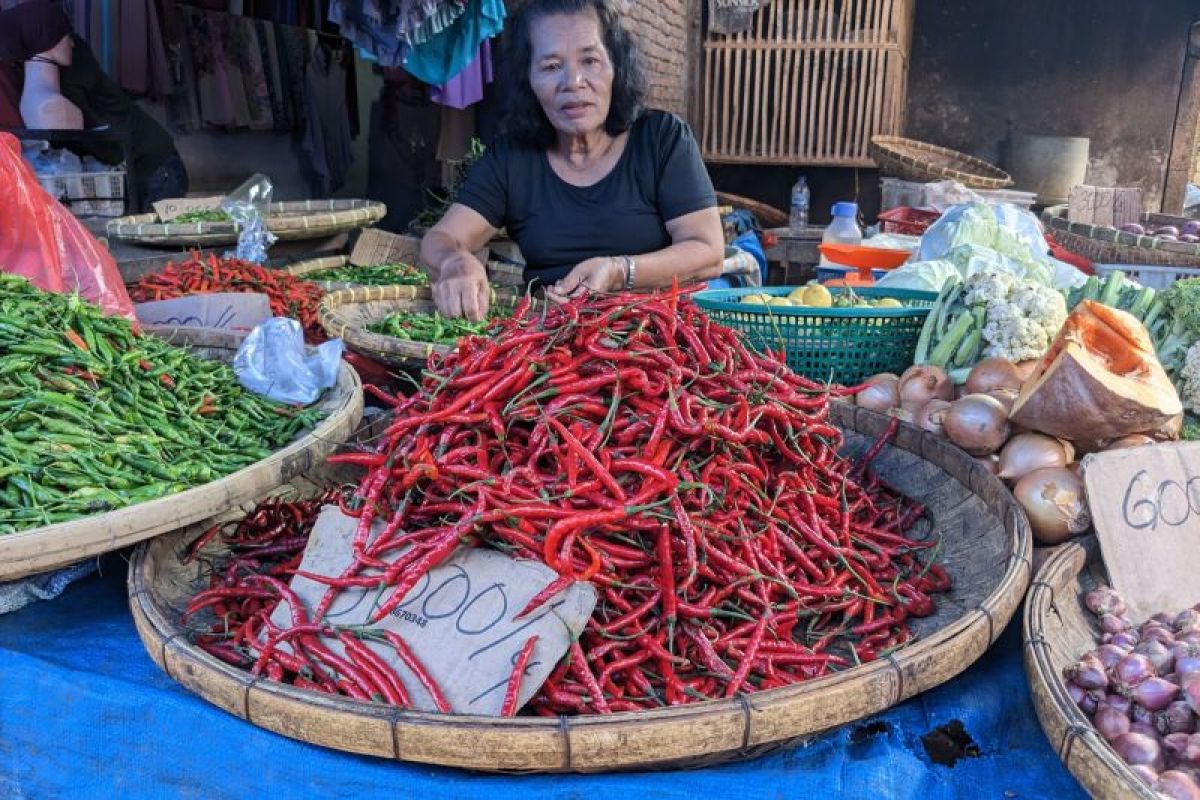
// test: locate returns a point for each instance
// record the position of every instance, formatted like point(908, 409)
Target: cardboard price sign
point(168, 210)
point(1145, 504)
point(236, 311)
point(458, 620)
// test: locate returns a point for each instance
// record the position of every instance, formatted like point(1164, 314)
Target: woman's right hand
point(461, 289)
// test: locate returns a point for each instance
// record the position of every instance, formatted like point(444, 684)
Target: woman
point(37, 27)
point(599, 195)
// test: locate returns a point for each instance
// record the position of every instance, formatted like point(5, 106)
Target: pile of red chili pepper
point(629, 442)
point(289, 296)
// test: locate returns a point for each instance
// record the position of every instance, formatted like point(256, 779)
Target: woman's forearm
point(688, 261)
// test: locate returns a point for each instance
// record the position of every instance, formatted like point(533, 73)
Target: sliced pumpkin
point(1099, 380)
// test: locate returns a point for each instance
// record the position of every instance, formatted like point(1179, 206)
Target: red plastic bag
point(40, 240)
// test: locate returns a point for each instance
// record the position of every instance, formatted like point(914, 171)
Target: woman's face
point(571, 72)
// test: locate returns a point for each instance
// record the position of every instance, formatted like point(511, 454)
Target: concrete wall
point(1109, 70)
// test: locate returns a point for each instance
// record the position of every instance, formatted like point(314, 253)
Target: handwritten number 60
point(1147, 512)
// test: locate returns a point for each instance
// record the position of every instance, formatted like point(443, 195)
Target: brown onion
point(1007, 398)
point(924, 382)
point(990, 463)
point(881, 393)
point(977, 423)
point(993, 373)
point(1025, 452)
point(931, 416)
point(1055, 503)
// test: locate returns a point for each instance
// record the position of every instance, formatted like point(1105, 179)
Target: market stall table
point(86, 714)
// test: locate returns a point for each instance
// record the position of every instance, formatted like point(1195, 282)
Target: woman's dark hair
point(524, 118)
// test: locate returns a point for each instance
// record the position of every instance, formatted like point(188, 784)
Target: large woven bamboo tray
point(291, 220)
point(52, 546)
point(346, 314)
point(920, 161)
point(1058, 630)
point(987, 549)
point(1107, 245)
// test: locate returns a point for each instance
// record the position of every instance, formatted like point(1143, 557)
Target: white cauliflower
point(1021, 318)
point(1189, 376)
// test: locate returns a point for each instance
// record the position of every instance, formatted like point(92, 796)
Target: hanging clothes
point(466, 88)
point(447, 53)
point(326, 145)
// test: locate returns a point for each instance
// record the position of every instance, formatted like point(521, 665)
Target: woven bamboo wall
point(810, 83)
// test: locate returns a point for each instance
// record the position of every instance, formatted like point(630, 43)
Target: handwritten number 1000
point(1171, 503)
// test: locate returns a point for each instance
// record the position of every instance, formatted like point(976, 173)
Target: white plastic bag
point(273, 361)
point(248, 206)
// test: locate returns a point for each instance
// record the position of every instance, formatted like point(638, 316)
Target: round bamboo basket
point(987, 552)
point(292, 220)
point(1103, 244)
point(920, 161)
point(346, 313)
point(1058, 630)
point(53, 546)
point(768, 216)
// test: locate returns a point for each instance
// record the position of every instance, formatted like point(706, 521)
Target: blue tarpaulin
point(85, 713)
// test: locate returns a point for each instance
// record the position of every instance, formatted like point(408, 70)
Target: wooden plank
point(1185, 138)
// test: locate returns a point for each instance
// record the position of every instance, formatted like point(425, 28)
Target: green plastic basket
point(838, 345)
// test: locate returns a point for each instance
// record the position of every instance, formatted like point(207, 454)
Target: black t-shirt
point(103, 102)
point(659, 177)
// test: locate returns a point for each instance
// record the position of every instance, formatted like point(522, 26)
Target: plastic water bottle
point(798, 215)
point(843, 229)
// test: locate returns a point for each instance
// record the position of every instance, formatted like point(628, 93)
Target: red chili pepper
point(509, 707)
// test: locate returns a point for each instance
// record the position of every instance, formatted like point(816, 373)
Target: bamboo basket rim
point(1133, 248)
point(52, 546)
point(703, 733)
point(1079, 745)
point(911, 158)
point(333, 314)
point(288, 220)
point(768, 216)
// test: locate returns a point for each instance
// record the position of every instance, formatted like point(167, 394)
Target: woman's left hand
point(605, 274)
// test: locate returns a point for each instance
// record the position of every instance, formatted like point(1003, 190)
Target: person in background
point(599, 194)
point(37, 26)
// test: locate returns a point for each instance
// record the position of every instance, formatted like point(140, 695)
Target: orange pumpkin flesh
point(1099, 380)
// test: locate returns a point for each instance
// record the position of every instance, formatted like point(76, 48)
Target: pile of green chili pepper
point(205, 215)
point(94, 416)
point(433, 328)
point(373, 275)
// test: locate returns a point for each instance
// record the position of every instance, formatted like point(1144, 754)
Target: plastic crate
point(1152, 275)
point(907, 221)
point(88, 194)
point(836, 345)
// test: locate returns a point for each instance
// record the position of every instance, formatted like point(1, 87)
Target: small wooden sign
point(1109, 207)
point(1145, 504)
point(168, 210)
point(458, 620)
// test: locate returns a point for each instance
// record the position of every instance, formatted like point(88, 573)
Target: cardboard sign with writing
point(168, 210)
point(458, 620)
point(1145, 504)
point(228, 310)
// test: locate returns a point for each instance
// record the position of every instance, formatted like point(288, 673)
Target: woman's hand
point(605, 274)
point(461, 288)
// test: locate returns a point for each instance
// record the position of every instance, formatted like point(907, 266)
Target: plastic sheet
point(42, 241)
point(86, 714)
point(248, 206)
point(273, 361)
